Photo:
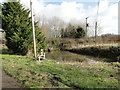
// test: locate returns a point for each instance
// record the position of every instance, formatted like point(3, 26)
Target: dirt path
point(9, 82)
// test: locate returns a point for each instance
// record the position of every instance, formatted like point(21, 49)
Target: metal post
point(33, 28)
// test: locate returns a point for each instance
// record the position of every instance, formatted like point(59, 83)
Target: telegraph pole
point(96, 23)
point(33, 28)
point(86, 26)
point(95, 32)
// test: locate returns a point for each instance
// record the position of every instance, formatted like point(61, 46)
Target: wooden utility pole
point(95, 32)
point(86, 26)
point(33, 28)
point(96, 24)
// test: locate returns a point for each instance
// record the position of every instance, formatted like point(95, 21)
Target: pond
point(66, 56)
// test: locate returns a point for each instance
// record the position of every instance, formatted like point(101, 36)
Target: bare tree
point(56, 24)
point(44, 26)
point(91, 28)
point(77, 23)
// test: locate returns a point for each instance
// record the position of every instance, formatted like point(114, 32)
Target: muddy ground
point(9, 82)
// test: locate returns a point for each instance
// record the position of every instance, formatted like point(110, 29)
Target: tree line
point(73, 32)
point(17, 25)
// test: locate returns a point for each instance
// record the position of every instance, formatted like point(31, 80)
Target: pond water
point(66, 56)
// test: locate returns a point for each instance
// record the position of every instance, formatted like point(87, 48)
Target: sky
point(78, 10)
point(119, 18)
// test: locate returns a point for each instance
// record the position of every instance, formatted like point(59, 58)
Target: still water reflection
point(68, 56)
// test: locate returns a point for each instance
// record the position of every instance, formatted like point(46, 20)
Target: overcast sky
point(79, 10)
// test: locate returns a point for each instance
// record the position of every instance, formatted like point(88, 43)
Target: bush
point(73, 32)
point(54, 42)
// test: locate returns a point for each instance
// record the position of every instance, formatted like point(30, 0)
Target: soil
point(9, 82)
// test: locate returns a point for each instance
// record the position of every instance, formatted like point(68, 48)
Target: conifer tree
point(18, 27)
point(80, 33)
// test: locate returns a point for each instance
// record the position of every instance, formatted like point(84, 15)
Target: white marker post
point(33, 29)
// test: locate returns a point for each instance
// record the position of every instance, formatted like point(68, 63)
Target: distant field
point(94, 45)
point(110, 44)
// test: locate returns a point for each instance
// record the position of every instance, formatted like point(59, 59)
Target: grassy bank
point(51, 74)
point(111, 53)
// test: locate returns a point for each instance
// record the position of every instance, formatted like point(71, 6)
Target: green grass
point(50, 74)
